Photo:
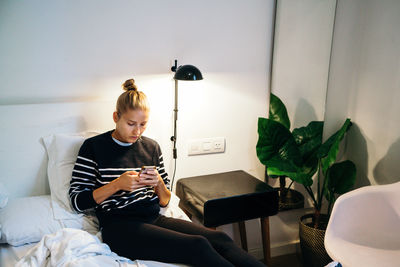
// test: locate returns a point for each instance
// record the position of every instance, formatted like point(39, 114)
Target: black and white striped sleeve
point(83, 180)
point(158, 158)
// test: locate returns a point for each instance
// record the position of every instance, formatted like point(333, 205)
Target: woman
point(106, 177)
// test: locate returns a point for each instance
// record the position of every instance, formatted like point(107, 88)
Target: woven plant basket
point(312, 241)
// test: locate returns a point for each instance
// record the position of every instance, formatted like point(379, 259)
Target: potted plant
point(288, 198)
point(300, 155)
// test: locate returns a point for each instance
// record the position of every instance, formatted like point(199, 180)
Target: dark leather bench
point(229, 197)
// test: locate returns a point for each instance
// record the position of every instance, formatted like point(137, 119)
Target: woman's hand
point(129, 181)
point(151, 178)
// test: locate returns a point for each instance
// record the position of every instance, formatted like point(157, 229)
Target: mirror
point(301, 59)
point(301, 55)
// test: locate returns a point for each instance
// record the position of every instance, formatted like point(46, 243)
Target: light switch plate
point(206, 146)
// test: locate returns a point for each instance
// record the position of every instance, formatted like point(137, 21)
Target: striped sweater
point(101, 160)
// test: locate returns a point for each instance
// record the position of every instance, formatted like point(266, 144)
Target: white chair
point(364, 228)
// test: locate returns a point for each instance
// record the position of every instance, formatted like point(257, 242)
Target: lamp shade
point(188, 73)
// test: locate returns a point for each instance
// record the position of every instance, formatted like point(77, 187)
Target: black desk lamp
point(182, 73)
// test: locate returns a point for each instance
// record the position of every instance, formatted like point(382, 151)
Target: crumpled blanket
point(71, 247)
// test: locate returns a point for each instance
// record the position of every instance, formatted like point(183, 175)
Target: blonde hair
point(131, 98)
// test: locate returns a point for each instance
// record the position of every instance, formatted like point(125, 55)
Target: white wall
point(66, 51)
point(69, 51)
point(365, 86)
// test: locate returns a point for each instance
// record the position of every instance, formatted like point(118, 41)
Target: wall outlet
point(206, 146)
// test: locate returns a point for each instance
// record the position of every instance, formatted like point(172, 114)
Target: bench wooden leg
point(266, 240)
point(243, 236)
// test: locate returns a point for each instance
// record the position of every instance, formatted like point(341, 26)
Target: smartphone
point(145, 169)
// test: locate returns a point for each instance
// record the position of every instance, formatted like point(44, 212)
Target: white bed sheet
point(10, 255)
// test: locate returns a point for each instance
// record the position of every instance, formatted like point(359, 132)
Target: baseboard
point(278, 249)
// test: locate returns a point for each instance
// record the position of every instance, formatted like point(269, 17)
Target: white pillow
point(26, 220)
point(62, 151)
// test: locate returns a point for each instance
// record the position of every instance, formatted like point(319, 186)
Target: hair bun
point(129, 85)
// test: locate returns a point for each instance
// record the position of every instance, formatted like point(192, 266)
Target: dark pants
point(174, 241)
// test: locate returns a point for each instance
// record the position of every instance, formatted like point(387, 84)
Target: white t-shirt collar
point(121, 143)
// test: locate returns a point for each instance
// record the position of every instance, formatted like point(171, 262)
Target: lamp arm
point(173, 68)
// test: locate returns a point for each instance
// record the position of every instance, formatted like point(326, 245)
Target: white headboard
point(23, 159)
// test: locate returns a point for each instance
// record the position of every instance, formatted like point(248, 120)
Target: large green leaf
point(309, 138)
point(341, 178)
point(278, 112)
point(328, 151)
point(274, 140)
point(298, 174)
point(277, 149)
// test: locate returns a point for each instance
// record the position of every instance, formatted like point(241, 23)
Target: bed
point(38, 148)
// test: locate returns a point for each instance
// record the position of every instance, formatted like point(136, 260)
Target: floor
point(290, 260)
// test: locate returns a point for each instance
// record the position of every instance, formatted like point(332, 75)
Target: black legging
point(174, 241)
